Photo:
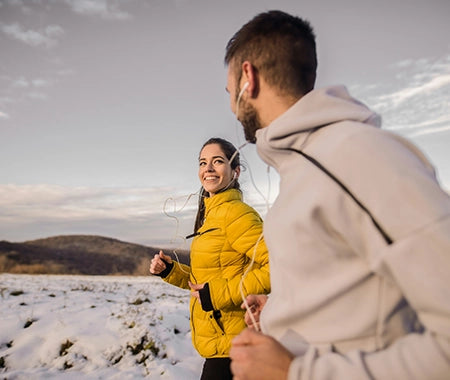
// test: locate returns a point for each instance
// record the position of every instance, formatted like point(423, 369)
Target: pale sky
point(104, 105)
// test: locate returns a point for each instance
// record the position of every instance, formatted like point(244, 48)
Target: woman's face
point(214, 169)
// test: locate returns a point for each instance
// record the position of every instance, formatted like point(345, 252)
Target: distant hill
point(79, 254)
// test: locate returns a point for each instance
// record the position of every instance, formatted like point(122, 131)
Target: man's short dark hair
point(282, 49)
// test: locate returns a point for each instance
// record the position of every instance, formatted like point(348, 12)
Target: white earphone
point(244, 87)
point(239, 98)
point(234, 175)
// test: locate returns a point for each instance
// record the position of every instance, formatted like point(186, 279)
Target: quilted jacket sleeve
point(178, 276)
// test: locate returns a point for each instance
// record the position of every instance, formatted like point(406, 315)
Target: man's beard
point(250, 121)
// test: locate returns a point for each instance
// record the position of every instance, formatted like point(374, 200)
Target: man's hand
point(255, 356)
point(157, 264)
point(255, 303)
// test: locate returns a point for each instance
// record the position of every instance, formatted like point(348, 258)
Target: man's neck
point(271, 105)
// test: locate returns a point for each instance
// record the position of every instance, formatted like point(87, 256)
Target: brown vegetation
point(78, 254)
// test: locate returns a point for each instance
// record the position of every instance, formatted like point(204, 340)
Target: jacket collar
point(218, 199)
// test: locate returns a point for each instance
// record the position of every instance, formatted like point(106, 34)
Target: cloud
point(132, 214)
point(76, 202)
point(24, 88)
point(39, 82)
point(23, 82)
point(154, 216)
point(65, 72)
point(416, 101)
point(22, 4)
point(422, 88)
point(47, 37)
point(35, 95)
point(103, 8)
point(4, 102)
point(431, 130)
point(20, 83)
point(3, 115)
point(106, 9)
point(431, 126)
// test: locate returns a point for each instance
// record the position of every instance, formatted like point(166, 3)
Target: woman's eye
point(218, 162)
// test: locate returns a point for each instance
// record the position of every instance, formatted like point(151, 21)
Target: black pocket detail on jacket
point(216, 322)
point(201, 233)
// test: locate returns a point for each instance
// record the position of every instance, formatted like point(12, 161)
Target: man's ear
point(250, 75)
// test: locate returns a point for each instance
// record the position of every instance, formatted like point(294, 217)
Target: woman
point(227, 242)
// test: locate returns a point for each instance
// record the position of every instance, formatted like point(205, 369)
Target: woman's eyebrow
point(214, 157)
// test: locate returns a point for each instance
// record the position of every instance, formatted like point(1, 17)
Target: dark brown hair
point(229, 150)
point(281, 47)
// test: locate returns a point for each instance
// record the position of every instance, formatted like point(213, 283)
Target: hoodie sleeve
point(424, 355)
point(244, 233)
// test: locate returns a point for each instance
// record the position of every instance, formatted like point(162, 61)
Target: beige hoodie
point(346, 302)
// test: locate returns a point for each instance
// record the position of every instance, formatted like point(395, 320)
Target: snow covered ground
point(94, 327)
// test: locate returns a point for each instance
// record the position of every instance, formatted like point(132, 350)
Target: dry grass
point(78, 254)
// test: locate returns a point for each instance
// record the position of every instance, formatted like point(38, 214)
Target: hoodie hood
point(319, 108)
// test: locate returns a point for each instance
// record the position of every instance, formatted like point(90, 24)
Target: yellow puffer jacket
point(220, 253)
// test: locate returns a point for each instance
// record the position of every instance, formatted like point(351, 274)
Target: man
point(359, 235)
